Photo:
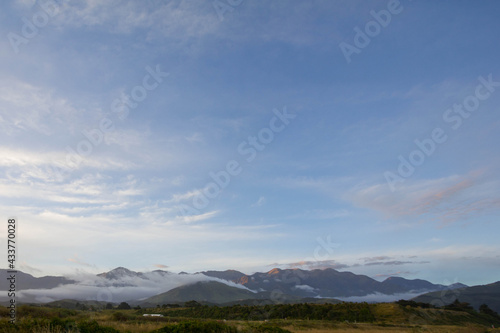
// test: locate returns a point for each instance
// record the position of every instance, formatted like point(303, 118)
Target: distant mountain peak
point(228, 275)
point(457, 286)
point(395, 278)
point(121, 269)
point(117, 273)
point(161, 271)
point(233, 271)
point(274, 271)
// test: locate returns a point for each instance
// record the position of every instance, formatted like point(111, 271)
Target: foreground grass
point(384, 317)
point(246, 327)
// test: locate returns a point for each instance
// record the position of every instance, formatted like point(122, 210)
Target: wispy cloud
point(89, 189)
point(76, 260)
point(378, 258)
point(379, 297)
point(395, 263)
point(398, 273)
point(199, 217)
point(260, 202)
point(180, 197)
point(125, 288)
point(173, 19)
point(315, 264)
point(26, 107)
point(447, 199)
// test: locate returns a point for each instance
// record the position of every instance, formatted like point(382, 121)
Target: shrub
point(197, 327)
point(120, 316)
point(124, 306)
point(268, 328)
point(93, 327)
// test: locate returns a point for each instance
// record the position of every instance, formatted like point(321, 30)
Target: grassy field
point(388, 317)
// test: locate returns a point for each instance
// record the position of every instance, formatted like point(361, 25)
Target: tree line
point(352, 312)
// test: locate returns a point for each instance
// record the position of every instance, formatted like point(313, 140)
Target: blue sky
point(303, 136)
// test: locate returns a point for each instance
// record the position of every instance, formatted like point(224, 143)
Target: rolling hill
point(485, 294)
point(207, 292)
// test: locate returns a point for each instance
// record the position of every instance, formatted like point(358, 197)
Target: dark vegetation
point(197, 326)
point(55, 325)
point(244, 318)
point(455, 306)
point(360, 312)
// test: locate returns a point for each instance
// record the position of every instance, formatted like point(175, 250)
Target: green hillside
point(486, 294)
point(206, 292)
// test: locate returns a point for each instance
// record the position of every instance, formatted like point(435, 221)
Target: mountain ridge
point(318, 282)
point(123, 284)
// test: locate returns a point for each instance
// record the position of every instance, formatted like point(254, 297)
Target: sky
point(236, 134)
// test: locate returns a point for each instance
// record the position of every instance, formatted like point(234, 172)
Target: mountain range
point(215, 287)
point(28, 281)
point(326, 283)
